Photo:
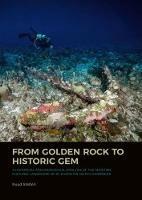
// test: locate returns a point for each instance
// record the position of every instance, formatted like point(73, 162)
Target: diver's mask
point(40, 37)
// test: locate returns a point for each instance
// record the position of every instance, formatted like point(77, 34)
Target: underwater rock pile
point(48, 116)
point(4, 92)
point(45, 116)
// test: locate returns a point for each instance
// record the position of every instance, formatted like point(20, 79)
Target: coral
point(51, 119)
point(78, 89)
point(37, 113)
point(48, 108)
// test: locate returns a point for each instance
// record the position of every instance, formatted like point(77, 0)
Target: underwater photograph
point(71, 71)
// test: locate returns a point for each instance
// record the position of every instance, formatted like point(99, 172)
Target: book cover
point(70, 90)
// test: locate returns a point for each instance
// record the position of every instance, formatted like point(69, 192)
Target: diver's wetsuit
point(29, 35)
point(37, 42)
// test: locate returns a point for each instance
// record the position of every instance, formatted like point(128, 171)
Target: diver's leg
point(22, 35)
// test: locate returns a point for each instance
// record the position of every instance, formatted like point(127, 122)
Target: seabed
point(70, 95)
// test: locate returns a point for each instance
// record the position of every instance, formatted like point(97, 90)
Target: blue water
point(74, 24)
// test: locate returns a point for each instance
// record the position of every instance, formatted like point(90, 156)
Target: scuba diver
point(40, 41)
